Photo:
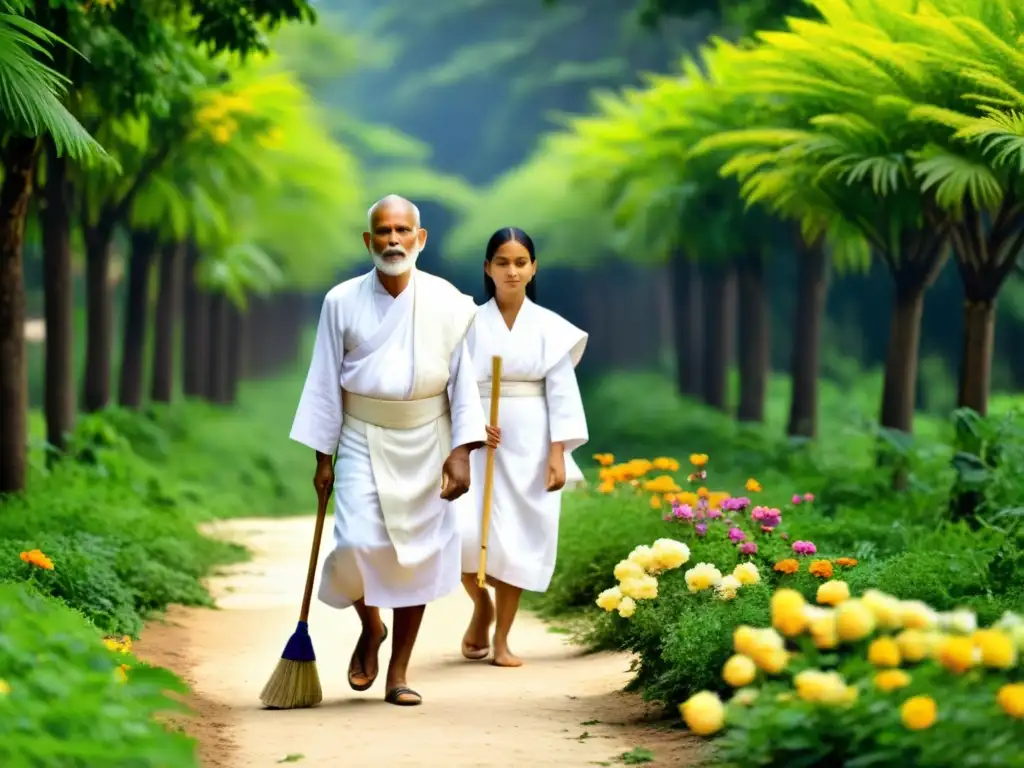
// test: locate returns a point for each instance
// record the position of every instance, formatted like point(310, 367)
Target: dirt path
point(561, 709)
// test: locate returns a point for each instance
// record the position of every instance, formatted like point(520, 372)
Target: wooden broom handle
point(314, 554)
point(485, 523)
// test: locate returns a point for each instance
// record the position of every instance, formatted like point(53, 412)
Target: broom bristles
point(294, 685)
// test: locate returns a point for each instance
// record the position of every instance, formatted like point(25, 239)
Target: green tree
point(30, 102)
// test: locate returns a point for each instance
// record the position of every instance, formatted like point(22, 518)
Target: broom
point(295, 683)
point(485, 525)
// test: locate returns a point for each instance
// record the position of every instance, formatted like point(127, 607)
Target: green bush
point(906, 543)
point(66, 701)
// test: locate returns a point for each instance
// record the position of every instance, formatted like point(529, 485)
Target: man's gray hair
point(392, 200)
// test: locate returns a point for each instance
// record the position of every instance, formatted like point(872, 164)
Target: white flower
point(961, 620)
point(728, 587)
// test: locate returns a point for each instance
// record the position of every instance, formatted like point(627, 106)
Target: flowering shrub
point(867, 681)
point(70, 697)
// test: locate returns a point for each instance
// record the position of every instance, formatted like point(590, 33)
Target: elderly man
point(391, 389)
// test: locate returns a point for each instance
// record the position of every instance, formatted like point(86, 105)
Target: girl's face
point(511, 269)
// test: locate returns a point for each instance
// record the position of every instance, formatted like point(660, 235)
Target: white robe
point(543, 349)
point(365, 345)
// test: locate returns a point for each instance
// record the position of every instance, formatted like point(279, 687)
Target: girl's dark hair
point(498, 239)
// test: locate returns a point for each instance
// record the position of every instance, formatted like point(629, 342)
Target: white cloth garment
point(540, 404)
point(396, 540)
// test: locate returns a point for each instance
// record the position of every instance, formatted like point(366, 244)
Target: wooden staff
point(485, 525)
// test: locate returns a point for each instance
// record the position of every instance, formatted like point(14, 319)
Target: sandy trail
point(561, 709)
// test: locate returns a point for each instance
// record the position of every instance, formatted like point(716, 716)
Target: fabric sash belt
point(515, 389)
point(393, 414)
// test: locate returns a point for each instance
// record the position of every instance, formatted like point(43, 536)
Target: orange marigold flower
point(38, 559)
point(703, 493)
point(698, 459)
point(789, 565)
point(753, 486)
point(846, 562)
point(821, 568)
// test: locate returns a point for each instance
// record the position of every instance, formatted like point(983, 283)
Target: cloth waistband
point(515, 389)
point(394, 414)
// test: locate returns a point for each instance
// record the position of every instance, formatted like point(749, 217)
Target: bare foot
point(503, 657)
point(475, 644)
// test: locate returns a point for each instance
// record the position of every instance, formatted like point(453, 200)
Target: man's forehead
point(397, 212)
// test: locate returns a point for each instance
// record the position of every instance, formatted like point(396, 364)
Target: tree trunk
point(978, 347)
point(195, 338)
point(256, 330)
point(755, 339)
point(59, 302)
point(19, 162)
point(99, 314)
point(812, 294)
point(720, 292)
point(901, 358)
point(687, 316)
point(234, 349)
point(218, 388)
point(166, 310)
point(136, 317)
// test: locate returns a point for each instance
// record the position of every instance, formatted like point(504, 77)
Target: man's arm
point(318, 418)
point(469, 424)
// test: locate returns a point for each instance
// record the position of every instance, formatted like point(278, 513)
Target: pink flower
point(797, 498)
point(748, 548)
point(808, 497)
point(714, 513)
point(766, 516)
point(736, 535)
point(701, 528)
point(682, 511)
point(736, 505)
point(804, 547)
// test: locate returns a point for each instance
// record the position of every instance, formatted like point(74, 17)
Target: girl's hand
point(556, 471)
point(493, 437)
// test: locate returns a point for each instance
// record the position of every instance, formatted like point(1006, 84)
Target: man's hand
point(323, 478)
point(493, 437)
point(556, 469)
point(455, 474)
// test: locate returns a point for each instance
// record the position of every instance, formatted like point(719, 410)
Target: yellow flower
point(887, 609)
point(703, 493)
point(1010, 698)
point(788, 614)
point(606, 487)
point(854, 621)
point(5, 687)
point(753, 486)
point(891, 679)
point(788, 566)
point(628, 569)
point(610, 599)
point(746, 573)
point(833, 592)
point(666, 464)
point(997, 649)
point(699, 459)
point(642, 556)
point(38, 559)
point(820, 568)
point(913, 645)
point(739, 670)
point(823, 629)
point(655, 501)
point(884, 652)
point(642, 588)
point(627, 607)
point(958, 654)
point(222, 133)
point(703, 576)
point(728, 587)
point(963, 621)
point(769, 659)
point(662, 484)
point(122, 672)
point(917, 615)
point(604, 459)
point(670, 554)
point(747, 640)
point(703, 713)
point(816, 686)
point(919, 713)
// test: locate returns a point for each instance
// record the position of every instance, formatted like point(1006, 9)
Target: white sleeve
point(468, 420)
point(567, 421)
point(319, 416)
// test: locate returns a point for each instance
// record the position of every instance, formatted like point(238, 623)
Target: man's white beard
point(395, 268)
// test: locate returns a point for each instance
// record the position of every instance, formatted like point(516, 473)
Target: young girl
point(542, 421)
